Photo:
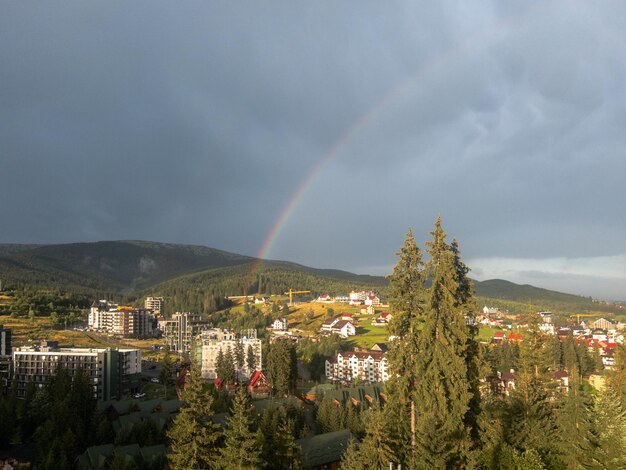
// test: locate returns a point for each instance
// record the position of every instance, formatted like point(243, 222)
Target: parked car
point(154, 380)
point(139, 395)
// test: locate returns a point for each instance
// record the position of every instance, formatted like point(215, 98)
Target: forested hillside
point(199, 278)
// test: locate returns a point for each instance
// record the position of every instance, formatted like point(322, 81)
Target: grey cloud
point(198, 122)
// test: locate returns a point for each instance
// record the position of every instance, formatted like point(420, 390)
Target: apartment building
point(156, 304)
point(123, 321)
point(216, 340)
point(112, 372)
point(5, 357)
point(181, 330)
point(369, 366)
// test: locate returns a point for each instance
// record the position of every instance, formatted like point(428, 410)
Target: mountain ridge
point(205, 274)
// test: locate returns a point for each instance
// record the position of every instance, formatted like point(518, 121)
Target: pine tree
point(351, 458)
point(575, 424)
point(406, 292)
point(287, 451)
point(193, 436)
point(282, 368)
point(239, 358)
point(250, 359)
point(242, 449)
point(445, 386)
point(376, 453)
point(610, 426)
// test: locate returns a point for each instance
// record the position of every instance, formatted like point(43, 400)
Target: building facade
point(112, 372)
point(181, 330)
point(216, 340)
point(369, 366)
point(6, 362)
point(123, 321)
point(156, 304)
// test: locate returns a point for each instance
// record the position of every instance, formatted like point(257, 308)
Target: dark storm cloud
point(198, 121)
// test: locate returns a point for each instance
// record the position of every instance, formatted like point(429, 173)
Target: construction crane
point(578, 315)
point(291, 292)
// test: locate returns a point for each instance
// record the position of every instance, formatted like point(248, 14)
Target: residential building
point(280, 324)
point(123, 321)
point(216, 340)
point(156, 304)
point(369, 366)
point(112, 372)
point(343, 328)
point(367, 297)
point(181, 330)
point(5, 357)
point(5, 342)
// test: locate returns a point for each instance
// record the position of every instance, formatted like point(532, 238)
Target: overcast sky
point(199, 122)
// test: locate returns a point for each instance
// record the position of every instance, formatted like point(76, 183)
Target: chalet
point(344, 328)
point(280, 324)
point(258, 387)
point(329, 324)
point(379, 347)
point(386, 317)
point(372, 300)
point(325, 298)
point(498, 337)
point(347, 317)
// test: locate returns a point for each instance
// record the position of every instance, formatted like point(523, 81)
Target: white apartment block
point(156, 304)
point(369, 366)
point(112, 372)
point(216, 340)
point(120, 320)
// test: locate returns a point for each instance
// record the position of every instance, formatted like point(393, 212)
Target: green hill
point(198, 278)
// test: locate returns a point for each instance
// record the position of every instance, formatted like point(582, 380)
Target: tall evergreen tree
point(239, 358)
point(251, 359)
point(445, 385)
point(407, 298)
point(282, 368)
point(241, 450)
point(610, 426)
point(193, 435)
point(375, 450)
point(575, 424)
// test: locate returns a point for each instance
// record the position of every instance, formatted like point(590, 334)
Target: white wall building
point(120, 320)
point(215, 340)
point(369, 366)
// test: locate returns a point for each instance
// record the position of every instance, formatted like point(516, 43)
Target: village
point(139, 385)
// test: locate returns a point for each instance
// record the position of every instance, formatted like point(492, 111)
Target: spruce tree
point(610, 427)
point(575, 424)
point(282, 368)
point(351, 458)
point(241, 450)
point(239, 358)
point(376, 453)
point(251, 359)
point(193, 435)
point(406, 292)
point(445, 382)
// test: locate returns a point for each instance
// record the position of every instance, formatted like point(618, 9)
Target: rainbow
point(437, 64)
